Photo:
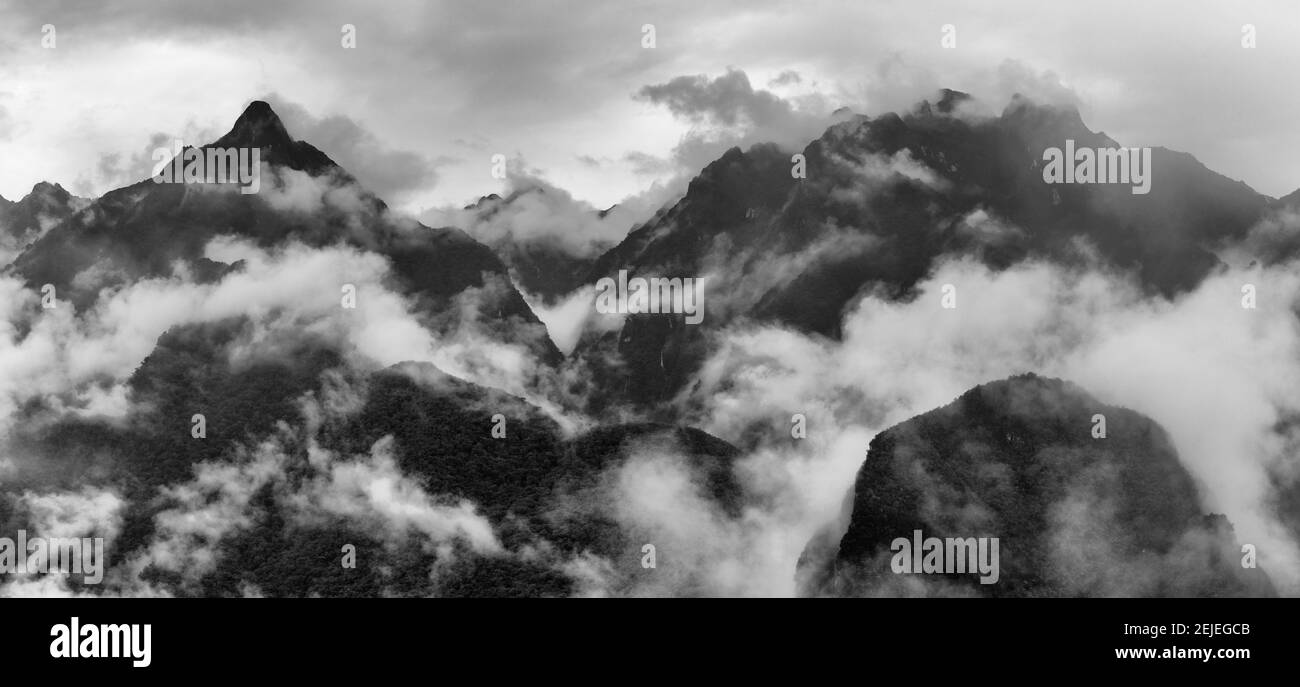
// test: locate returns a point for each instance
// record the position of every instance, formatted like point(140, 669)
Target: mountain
point(1290, 200)
point(538, 489)
point(309, 448)
point(27, 219)
point(544, 493)
point(883, 199)
point(1075, 515)
point(549, 239)
point(142, 230)
point(1276, 240)
point(541, 265)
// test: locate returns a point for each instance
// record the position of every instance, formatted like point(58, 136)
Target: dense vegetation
point(1075, 514)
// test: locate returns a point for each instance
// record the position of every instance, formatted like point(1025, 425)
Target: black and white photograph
point(377, 305)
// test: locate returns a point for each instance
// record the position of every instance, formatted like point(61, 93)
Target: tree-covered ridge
point(437, 429)
point(1076, 514)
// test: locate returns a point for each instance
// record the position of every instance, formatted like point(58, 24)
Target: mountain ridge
point(142, 229)
point(883, 200)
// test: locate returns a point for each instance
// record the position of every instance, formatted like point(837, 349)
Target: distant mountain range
point(883, 200)
point(797, 252)
point(139, 231)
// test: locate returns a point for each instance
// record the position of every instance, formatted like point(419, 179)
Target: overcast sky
point(434, 89)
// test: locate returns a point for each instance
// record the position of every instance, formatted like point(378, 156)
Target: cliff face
point(1074, 513)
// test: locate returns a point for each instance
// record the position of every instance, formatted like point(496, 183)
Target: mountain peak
point(45, 187)
point(45, 197)
point(259, 126)
point(946, 102)
point(950, 99)
point(1022, 429)
point(1042, 124)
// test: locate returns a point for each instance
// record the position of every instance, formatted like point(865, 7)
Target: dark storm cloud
point(481, 55)
point(727, 111)
point(729, 100)
point(544, 72)
point(786, 78)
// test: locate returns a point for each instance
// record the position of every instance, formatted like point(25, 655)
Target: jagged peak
point(258, 126)
point(946, 102)
point(483, 201)
point(950, 99)
point(44, 195)
point(45, 188)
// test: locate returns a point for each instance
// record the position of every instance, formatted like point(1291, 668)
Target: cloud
point(82, 360)
point(566, 320)
point(728, 100)
point(6, 123)
point(1218, 377)
point(726, 111)
point(390, 173)
point(645, 164)
point(90, 512)
point(658, 497)
point(545, 81)
point(535, 211)
point(374, 489)
point(112, 171)
point(786, 78)
point(197, 518)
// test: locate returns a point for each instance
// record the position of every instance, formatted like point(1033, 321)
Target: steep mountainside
point(142, 230)
point(26, 220)
point(1075, 515)
point(883, 199)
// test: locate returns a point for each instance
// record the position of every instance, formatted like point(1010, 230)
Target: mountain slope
point(1075, 514)
point(543, 265)
point(325, 443)
point(26, 220)
point(884, 198)
point(144, 229)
